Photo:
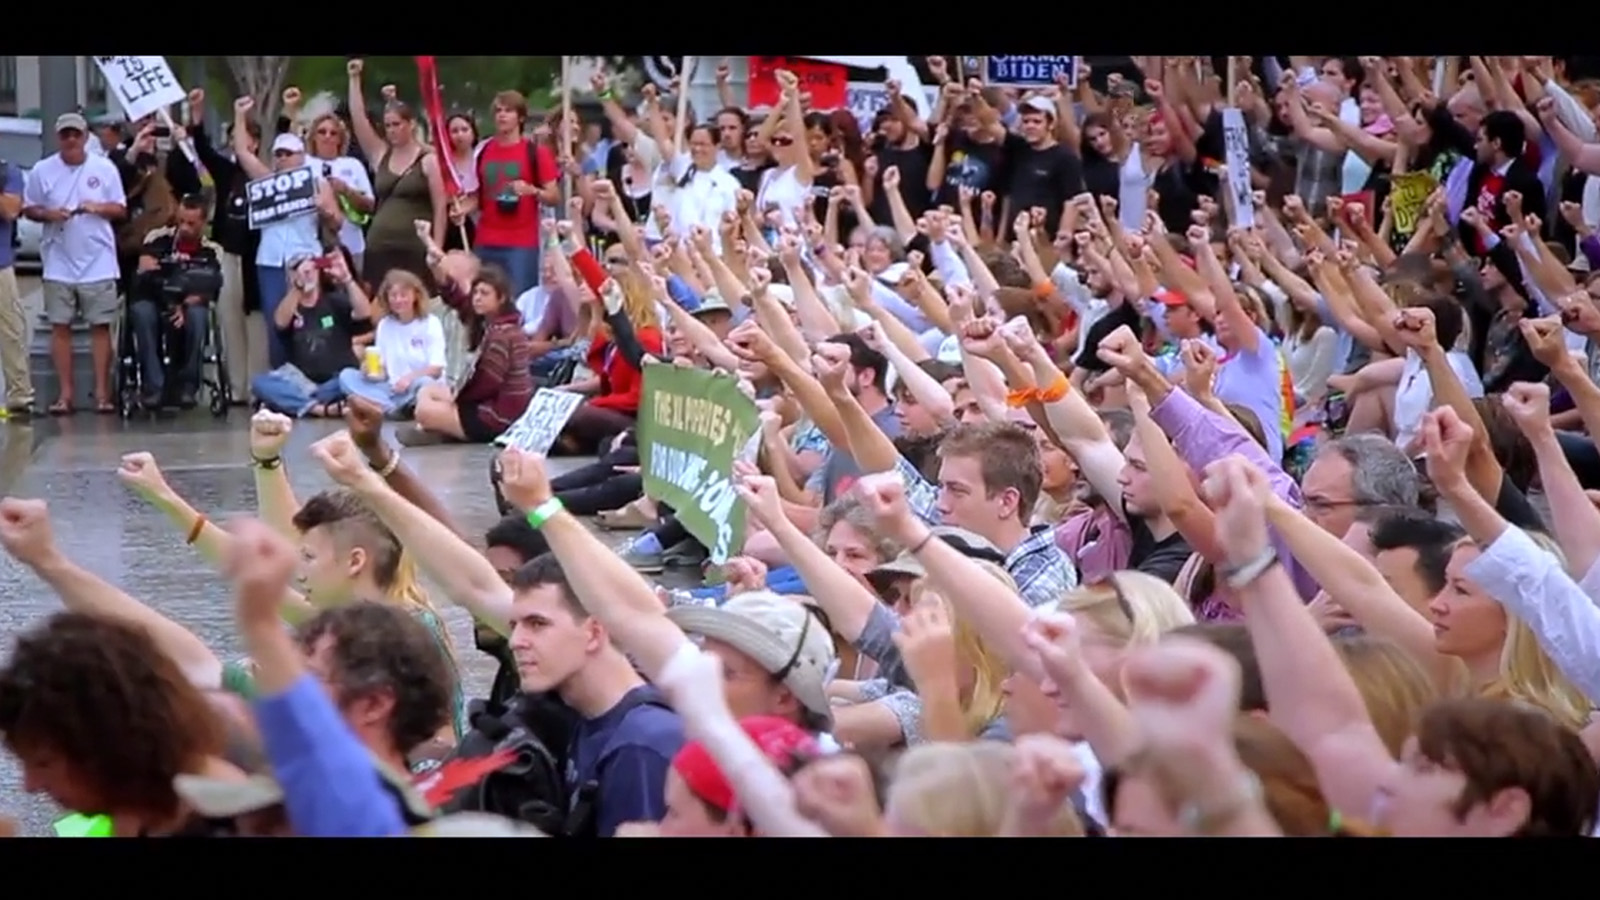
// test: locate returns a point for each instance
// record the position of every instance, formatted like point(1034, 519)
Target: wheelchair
point(213, 381)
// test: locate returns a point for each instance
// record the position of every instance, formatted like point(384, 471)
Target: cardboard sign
point(142, 84)
point(1236, 140)
point(825, 82)
point(864, 99)
point(540, 424)
point(280, 197)
point(1408, 200)
point(1025, 71)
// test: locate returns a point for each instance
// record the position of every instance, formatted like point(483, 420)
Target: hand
point(269, 431)
point(859, 284)
point(836, 792)
point(402, 383)
point(1019, 337)
point(197, 101)
point(261, 564)
point(1546, 338)
point(1199, 368)
point(139, 472)
point(1238, 492)
point(872, 335)
point(891, 178)
point(1415, 327)
point(25, 530)
point(243, 105)
point(744, 574)
point(424, 229)
point(1328, 613)
point(832, 364)
point(363, 419)
point(1044, 772)
point(1529, 406)
point(342, 460)
point(523, 480)
point(1121, 350)
point(927, 642)
point(353, 68)
point(1184, 693)
point(761, 499)
point(291, 98)
point(1513, 202)
point(981, 337)
point(884, 496)
point(1055, 638)
point(389, 93)
point(1447, 441)
point(987, 200)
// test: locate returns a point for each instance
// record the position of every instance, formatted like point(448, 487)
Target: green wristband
point(544, 512)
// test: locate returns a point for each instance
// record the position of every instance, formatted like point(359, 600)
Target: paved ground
point(71, 462)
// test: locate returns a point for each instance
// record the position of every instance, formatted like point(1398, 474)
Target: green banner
point(692, 426)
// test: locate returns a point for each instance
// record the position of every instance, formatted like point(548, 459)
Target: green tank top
point(401, 200)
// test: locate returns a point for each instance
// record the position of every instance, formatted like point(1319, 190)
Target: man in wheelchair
point(179, 277)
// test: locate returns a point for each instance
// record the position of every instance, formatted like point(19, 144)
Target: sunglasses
point(616, 260)
point(284, 154)
point(782, 140)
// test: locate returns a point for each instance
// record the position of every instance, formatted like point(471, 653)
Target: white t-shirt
point(408, 347)
point(782, 188)
point(350, 171)
point(1413, 397)
point(532, 305)
point(83, 249)
point(701, 202)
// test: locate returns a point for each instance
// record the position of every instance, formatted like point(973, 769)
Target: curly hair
point(377, 647)
point(101, 694)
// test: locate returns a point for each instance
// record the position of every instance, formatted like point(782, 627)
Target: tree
point(261, 78)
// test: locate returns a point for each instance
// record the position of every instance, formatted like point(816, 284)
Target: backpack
point(526, 781)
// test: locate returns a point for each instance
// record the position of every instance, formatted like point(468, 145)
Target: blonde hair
point(1156, 608)
point(982, 705)
point(638, 303)
point(329, 116)
point(1527, 675)
point(407, 592)
point(402, 279)
point(961, 790)
point(1394, 686)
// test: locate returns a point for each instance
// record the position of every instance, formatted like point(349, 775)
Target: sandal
point(334, 410)
point(105, 408)
point(62, 407)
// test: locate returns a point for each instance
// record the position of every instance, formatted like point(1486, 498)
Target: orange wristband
point(1044, 290)
point(1056, 391)
point(194, 530)
point(1020, 398)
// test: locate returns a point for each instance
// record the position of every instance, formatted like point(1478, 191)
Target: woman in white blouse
point(1312, 348)
point(409, 343)
point(695, 190)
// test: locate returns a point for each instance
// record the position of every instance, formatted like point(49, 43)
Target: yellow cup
point(372, 364)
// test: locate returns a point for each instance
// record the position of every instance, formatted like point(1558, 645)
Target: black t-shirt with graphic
point(319, 336)
point(974, 164)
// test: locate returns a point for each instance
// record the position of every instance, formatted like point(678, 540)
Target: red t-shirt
point(499, 165)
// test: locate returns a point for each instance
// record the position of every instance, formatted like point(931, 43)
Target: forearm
point(214, 543)
point(403, 481)
point(942, 719)
point(1575, 520)
point(275, 500)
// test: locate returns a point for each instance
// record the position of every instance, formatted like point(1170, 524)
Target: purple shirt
point(1202, 437)
point(1255, 381)
point(560, 319)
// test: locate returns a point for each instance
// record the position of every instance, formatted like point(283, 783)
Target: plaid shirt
point(1041, 570)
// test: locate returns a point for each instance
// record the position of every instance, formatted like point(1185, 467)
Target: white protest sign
point(280, 197)
point(540, 424)
point(142, 84)
point(865, 98)
point(1236, 140)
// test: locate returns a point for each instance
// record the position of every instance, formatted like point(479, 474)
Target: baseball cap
point(1169, 297)
point(782, 293)
point(893, 275)
point(222, 798)
point(1040, 104)
point(288, 142)
point(780, 740)
point(712, 302)
point(71, 122)
point(779, 633)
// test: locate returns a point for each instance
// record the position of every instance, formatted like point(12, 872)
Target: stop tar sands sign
point(281, 196)
point(142, 84)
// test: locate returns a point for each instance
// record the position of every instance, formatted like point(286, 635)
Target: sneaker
point(414, 436)
point(642, 562)
point(686, 554)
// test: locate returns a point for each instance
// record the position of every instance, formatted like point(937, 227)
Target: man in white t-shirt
point(77, 196)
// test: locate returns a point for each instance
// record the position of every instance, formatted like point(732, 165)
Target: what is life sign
point(142, 84)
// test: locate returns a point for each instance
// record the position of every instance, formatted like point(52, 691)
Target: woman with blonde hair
point(962, 790)
point(328, 142)
point(409, 345)
point(1393, 685)
point(958, 677)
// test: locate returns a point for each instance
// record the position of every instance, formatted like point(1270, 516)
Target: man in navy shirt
point(627, 735)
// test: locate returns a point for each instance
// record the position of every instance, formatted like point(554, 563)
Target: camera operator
point(180, 274)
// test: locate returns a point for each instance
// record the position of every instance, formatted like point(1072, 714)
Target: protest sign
point(825, 82)
point(1024, 71)
point(280, 197)
point(1408, 200)
point(142, 84)
point(692, 426)
point(864, 99)
point(539, 425)
point(1236, 141)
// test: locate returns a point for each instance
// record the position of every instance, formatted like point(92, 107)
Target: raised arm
point(248, 161)
point(371, 142)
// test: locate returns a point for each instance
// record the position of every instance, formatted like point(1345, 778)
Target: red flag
point(433, 108)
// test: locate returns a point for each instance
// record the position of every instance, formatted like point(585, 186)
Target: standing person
point(15, 329)
point(77, 196)
point(407, 184)
point(515, 175)
point(244, 337)
point(330, 146)
point(463, 136)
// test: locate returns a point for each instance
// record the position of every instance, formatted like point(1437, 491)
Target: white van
point(21, 146)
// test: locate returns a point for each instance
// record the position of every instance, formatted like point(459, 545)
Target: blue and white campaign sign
point(1028, 71)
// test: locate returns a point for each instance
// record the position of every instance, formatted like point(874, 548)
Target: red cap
point(780, 739)
point(1169, 297)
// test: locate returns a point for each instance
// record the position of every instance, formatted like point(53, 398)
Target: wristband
point(271, 462)
point(1021, 397)
point(542, 513)
point(1243, 575)
point(605, 95)
point(194, 530)
point(388, 468)
point(1054, 392)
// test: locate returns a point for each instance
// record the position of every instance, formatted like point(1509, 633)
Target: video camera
point(181, 276)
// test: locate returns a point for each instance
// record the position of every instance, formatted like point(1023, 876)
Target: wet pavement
point(71, 464)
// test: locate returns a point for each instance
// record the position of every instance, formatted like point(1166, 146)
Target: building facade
point(21, 91)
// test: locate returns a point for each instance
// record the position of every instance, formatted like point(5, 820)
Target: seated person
point(550, 318)
point(179, 275)
point(409, 345)
point(499, 387)
point(318, 320)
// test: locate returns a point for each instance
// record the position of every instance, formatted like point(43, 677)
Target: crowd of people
point(1092, 495)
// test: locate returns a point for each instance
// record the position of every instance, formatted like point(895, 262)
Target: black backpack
point(530, 788)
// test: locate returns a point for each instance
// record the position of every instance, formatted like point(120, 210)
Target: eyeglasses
point(327, 132)
point(782, 140)
point(1322, 505)
point(1110, 581)
point(616, 261)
